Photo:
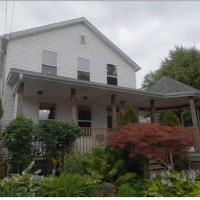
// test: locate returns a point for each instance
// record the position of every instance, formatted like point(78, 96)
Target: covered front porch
point(92, 106)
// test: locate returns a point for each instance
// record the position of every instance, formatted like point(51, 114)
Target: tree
point(182, 64)
point(151, 139)
point(129, 115)
point(18, 138)
point(170, 119)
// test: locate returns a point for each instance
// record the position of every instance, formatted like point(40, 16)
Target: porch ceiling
point(96, 93)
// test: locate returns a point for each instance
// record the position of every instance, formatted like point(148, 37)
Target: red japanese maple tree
point(152, 139)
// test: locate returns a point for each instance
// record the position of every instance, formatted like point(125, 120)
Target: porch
point(94, 106)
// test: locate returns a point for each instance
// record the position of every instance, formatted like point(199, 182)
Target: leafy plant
point(130, 115)
point(76, 164)
point(68, 185)
point(105, 164)
point(58, 138)
point(19, 137)
point(170, 119)
point(125, 190)
point(170, 185)
point(25, 185)
point(151, 139)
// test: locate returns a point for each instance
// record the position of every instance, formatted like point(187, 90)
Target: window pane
point(46, 112)
point(83, 64)
point(84, 124)
point(83, 75)
point(111, 70)
point(49, 69)
point(111, 80)
point(49, 58)
point(84, 113)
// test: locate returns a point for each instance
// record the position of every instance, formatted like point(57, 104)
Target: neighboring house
point(70, 71)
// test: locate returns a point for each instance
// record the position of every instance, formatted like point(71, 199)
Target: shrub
point(68, 185)
point(125, 190)
point(130, 115)
point(19, 137)
point(170, 119)
point(58, 138)
point(105, 164)
point(169, 185)
point(76, 164)
point(25, 185)
point(151, 139)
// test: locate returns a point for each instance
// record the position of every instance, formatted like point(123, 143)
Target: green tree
point(182, 64)
point(18, 138)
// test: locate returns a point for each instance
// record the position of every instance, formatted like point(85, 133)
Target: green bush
point(19, 137)
point(76, 164)
point(105, 164)
point(125, 190)
point(170, 185)
point(68, 185)
point(25, 185)
point(170, 119)
point(58, 138)
point(130, 115)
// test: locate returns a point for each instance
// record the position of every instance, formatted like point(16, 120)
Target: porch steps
point(155, 165)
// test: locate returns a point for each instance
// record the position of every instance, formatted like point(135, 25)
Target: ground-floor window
point(84, 116)
point(46, 112)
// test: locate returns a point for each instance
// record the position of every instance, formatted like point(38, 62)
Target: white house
point(70, 71)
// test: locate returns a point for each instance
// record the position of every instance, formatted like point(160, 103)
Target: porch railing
point(91, 137)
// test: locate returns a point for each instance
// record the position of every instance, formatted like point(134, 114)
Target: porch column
point(73, 106)
point(152, 110)
point(114, 110)
point(19, 100)
point(195, 123)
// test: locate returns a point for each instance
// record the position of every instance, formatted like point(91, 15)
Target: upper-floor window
point(83, 67)
point(111, 74)
point(49, 62)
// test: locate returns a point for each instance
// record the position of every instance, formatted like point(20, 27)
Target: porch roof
point(135, 97)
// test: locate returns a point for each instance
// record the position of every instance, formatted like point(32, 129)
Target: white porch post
point(73, 106)
point(19, 100)
point(195, 123)
point(152, 110)
point(114, 110)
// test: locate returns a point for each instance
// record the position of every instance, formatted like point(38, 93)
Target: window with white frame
point(49, 62)
point(46, 112)
point(83, 69)
point(84, 116)
point(111, 74)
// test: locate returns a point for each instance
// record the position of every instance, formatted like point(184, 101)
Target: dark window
point(84, 116)
point(46, 112)
point(49, 69)
point(83, 39)
point(84, 76)
point(111, 74)
point(111, 80)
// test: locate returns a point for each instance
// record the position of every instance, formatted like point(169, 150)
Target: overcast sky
point(145, 31)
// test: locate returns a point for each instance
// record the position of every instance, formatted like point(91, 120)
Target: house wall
point(26, 53)
point(30, 110)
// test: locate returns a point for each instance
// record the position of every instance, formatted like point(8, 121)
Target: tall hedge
point(19, 136)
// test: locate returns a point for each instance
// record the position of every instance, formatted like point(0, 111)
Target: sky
point(145, 31)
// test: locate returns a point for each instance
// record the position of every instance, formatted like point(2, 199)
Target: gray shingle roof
point(168, 85)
